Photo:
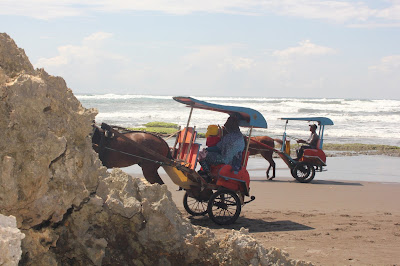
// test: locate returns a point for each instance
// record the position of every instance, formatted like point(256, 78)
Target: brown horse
point(117, 149)
point(255, 148)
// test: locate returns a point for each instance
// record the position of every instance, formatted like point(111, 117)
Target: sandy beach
point(338, 219)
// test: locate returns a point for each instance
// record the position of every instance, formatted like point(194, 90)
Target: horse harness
point(108, 135)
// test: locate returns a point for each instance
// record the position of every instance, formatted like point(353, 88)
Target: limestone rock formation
point(70, 208)
point(47, 163)
point(13, 60)
point(10, 241)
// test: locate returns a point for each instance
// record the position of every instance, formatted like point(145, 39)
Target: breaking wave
point(356, 120)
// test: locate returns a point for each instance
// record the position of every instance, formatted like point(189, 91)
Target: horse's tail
point(169, 154)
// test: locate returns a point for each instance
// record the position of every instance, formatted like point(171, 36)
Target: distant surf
point(356, 120)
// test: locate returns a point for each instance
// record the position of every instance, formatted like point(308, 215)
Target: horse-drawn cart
point(303, 169)
point(222, 195)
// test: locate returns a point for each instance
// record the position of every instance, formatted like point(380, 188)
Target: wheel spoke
point(224, 207)
point(303, 172)
point(193, 206)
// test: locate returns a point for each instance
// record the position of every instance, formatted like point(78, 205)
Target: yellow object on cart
point(287, 147)
point(178, 177)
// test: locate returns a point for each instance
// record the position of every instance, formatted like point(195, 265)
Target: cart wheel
point(224, 207)
point(194, 206)
point(303, 172)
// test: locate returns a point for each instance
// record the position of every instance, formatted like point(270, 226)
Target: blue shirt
point(230, 145)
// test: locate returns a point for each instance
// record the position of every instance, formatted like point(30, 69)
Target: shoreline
point(356, 168)
point(355, 149)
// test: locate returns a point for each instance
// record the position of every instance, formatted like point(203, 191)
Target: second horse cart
point(312, 160)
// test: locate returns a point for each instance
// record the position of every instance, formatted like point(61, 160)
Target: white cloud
point(219, 57)
point(305, 48)
point(41, 9)
point(388, 64)
point(237, 63)
point(98, 36)
point(348, 12)
point(90, 52)
point(178, 7)
point(90, 66)
point(374, 25)
point(391, 12)
point(340, 11)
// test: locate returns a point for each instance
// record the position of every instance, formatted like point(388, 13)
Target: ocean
point(355, 120)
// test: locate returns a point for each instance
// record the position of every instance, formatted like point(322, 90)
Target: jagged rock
point(71, 210)
point(10, 241)
point(126, 223)
point(47, 162)
point(13, 60)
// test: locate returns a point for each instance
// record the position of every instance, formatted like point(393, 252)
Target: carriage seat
point(215, 168)
point(187, 150)
point(319, 144)
point(236, 181)
point(315, 156)
point(224, 176)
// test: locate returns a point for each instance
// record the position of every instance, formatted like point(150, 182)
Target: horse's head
point(96, 134)
point(101, 136)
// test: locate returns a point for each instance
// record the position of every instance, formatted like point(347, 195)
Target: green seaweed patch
point(359, 148)
point(158, 124)
point(353, 149)
point(158, 127)
point(159, 130)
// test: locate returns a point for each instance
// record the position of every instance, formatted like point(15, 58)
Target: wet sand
point(335, 220)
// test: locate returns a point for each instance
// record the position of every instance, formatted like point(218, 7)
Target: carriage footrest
point(251, 199)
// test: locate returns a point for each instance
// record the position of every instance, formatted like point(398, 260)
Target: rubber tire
point(220, 207)
point(193, 206)
point(303, 172)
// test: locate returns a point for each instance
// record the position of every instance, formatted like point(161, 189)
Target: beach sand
point(327, 222)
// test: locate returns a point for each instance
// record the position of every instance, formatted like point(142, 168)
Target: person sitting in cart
point(311, 142)
point(212, 139)
point(212, 135)
point(228, 150)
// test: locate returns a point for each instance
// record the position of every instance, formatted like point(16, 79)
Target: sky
point(254, 48)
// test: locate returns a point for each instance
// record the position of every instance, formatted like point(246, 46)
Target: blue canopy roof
point(247, 117)
point(321, 120)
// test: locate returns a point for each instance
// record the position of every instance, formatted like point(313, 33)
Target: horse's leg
point(268, 156)
point(151, 174)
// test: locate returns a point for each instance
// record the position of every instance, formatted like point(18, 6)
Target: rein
point(250, 148)
point(133, 155)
